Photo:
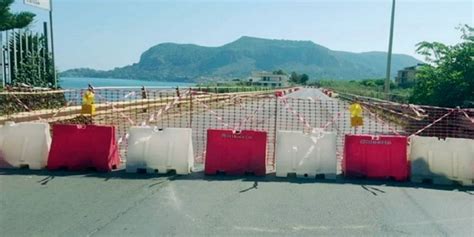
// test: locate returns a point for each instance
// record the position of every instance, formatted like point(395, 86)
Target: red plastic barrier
point(278, 93)
point(78, 147)
point(236, 153)
point(378, 157)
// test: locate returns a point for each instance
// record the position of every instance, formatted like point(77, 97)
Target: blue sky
point(104, 34)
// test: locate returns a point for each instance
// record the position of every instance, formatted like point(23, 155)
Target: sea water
point(109, 90)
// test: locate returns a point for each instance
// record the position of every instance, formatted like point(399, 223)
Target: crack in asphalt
point(372, 190)
point(46, 180)
point(133, 205)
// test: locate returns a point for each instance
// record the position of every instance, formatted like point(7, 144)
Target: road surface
point(119, 204)
point(42, 203)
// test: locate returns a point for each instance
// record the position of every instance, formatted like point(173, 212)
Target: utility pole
point(38, 55)
point(2, 62)
point(52, 43)
point(20, 36)
point(389, 55)
point(46, 49)
point(8, 77)
point(15, 62)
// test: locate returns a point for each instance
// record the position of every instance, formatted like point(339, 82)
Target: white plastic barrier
point(153, 150)
point(24, 144)
point(441, 160)
point(307, 155)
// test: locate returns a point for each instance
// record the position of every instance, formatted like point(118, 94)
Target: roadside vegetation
point(32, 64)
point(368, 87)
point(446, 80)
point(28, 70)
point(33, 101)
point(9, 20)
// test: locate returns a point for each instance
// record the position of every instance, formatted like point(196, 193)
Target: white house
point(268, 79)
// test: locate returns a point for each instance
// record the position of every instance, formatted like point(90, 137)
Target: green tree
point(279, 72)
point(448, 79)
point(294, 78)
point(367, 82)
point(303, 79)
point(10, 20)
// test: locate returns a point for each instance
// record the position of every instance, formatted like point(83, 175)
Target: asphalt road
point(307, 93)
point(42, 203)
point(120, 204)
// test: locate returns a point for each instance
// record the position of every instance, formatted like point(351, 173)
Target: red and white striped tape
point(155, 116)
point(417, 110)
point(319, 133)
point(216, 115)
point(131, 93)
point(25, 106)
point(332, 121)
point(65, 106)
point(287, 106)
point(238, 100)
point(221, 119)
point(242, 122)
point(383, 123)
point(433, 123)
point(467, 116)
point(130, 120)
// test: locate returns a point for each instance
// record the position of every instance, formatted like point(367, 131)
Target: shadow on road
point(340, 180)
point(47, 176)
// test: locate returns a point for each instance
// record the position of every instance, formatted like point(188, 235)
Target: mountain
point(188, 62)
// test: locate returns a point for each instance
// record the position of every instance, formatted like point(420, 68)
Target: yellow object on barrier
point(357, 121)
point(356, 115)
point(88, 103)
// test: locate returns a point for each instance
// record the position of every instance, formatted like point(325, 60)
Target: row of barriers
point(281, 93)
point(313, 154)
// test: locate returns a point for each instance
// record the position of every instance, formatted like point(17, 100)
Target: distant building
point(407, 75)
point(268, 79)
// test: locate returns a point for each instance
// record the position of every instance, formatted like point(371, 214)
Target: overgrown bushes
point(14, 102)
